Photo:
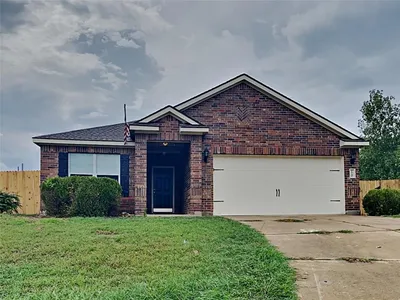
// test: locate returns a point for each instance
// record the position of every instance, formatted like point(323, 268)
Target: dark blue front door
point(163, 189)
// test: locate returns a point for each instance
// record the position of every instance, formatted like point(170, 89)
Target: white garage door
point(254, 185)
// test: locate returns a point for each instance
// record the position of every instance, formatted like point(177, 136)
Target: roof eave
point(353, 144)
point(61, 142)
point(168, 110)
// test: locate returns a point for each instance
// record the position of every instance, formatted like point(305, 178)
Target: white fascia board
point(148, 129)
point(169, 110)
point(81, 143)
point(290, 103)
point(353, 144)
point(185, 130)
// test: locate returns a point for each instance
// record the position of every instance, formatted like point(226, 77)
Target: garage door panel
point(229, 200)
point(246, 185)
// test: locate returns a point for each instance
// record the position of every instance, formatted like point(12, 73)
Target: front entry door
point(163, 190)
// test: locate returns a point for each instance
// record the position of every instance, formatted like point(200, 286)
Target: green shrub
point(96, 197)
point(9, 202)
point(80, 196)
point(56, 195)
point(382, 202)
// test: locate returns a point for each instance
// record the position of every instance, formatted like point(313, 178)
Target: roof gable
point(168, 110)
point(275, 95)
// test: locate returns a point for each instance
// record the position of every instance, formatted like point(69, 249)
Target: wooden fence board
point(26, 184)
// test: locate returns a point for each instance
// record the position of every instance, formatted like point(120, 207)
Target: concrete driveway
point(363, 263)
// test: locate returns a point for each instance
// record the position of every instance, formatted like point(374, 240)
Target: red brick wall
point(169, 131)
point(241, 121)
point(352, 186)
point(49, 162)
point(244, 121)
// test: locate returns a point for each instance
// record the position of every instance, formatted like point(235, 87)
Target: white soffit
point(187, 130)
point(353, 144)
point(144, 128)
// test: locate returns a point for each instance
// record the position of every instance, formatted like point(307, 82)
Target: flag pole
point(125, 113)
point(126, 127)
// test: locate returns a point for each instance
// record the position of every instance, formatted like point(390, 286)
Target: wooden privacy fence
point(367, 185)
point(26, 184)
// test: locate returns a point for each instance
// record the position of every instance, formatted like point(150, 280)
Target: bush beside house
point(80, 196)
point(382, 202)
point(9, 202)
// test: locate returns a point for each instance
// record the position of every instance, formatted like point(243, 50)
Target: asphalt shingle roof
point(113, 132)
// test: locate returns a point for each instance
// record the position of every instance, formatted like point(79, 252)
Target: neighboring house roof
point(114, 134)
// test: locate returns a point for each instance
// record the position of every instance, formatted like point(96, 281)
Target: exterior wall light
point(353, 156)
point(206, 154)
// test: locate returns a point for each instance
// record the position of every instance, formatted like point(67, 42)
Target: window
point(98, 165)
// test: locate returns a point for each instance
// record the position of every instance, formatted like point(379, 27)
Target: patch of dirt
point(345, 231)
point(302, 258)
point(251, 220)
point(325, 232)
point(316, 232)
point(289, 220)
point(105, 232)
point(358, 259)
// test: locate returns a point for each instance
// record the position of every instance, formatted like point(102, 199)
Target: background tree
point(380, 125)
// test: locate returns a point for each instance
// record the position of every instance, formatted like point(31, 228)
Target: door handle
point(278, 192)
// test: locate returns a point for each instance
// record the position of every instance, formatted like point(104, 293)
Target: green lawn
point(139, 258)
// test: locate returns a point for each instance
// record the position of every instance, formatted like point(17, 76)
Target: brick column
point(208, 204)
point(195, 181)
point(140, 177)
point(352, 185)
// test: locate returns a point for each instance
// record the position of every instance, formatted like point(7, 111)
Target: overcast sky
point(72, 64)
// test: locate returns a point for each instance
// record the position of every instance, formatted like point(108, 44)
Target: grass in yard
point(139, 258)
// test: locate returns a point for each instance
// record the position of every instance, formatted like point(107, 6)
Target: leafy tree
point(380, 125)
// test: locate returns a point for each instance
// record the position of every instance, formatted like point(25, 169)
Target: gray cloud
point(72, 64)
point(11, 14)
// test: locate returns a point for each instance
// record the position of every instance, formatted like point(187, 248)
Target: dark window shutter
point(63, 164)
point(124, 169)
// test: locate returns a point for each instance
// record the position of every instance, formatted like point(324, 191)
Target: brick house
point(240, 148)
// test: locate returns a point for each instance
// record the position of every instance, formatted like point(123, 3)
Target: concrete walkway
point(322, 260)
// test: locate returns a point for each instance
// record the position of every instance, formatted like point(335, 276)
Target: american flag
point(126, 127)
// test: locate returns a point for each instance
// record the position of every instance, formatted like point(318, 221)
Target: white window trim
point(94, 171)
